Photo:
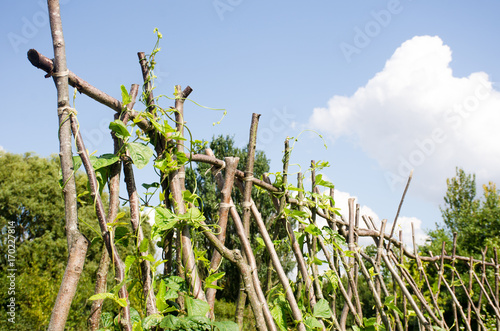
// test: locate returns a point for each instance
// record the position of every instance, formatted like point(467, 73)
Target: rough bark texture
point(100, 287)
point(244, 232)
point(42, 62)
point(77, 243)
point(235, 257)
point(225, 206)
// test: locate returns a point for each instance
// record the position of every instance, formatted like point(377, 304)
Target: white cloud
point(2, 149)
point(414, 114)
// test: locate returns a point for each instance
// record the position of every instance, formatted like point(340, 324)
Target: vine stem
point(135, 215)
point(103, 224)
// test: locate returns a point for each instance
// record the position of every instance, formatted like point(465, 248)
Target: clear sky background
point(391, 85)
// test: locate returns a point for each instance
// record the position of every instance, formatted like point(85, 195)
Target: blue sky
point(390, 85)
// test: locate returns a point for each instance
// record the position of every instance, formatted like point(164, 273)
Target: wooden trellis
point(391, 284)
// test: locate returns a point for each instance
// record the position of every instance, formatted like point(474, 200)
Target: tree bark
point(235, 257)
point(77, 243)
point(100, 287)
point(225, 206)
point(243, 231)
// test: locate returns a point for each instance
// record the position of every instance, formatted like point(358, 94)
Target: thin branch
point(399, 209)
point(106, 234)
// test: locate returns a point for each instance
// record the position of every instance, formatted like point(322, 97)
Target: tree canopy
point(31, 199)
point(476, 220)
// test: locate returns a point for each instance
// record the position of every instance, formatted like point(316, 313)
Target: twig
point(399, 209)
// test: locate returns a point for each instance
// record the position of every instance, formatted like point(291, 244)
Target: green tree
point(31, 201)
point(207, 190)
point(476, 220)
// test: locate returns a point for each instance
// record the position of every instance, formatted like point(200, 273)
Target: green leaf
point(129, 260)
point(312, 323)
point(151, 321)
point(214, 277)
point(278, 316)
point(170, 322)
point(143, 247)
point(164, 220)
point(196, 307)
point(160, 296)
point(333, 280)
point(213, 286)
point(299, 215)
point(349, 253)
point(321, 182)
point(322, 309)
point(126, 99)
point(102, 296)
point(260, 243)
point(77, 163)
point(119, 215)
point(312, 229)
point(317, 261)
point(136, 326)
point(190, 197)
point(171, 294)
point(370, 321)
point(192, 214)
point(140, 154)
point(389, 303)
point(134, 316)
point(201, 322)
point(164, 128)
point(157, 263)
point(174, 282)
point(120, 129)
point(166, 164)
point(148, 186)
point(106, 319)
point(122, 235)
point(103, 161)
point(149, 258)
point(226, 326)
point(299, 236)
point(122, 301)
point(181, 157)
